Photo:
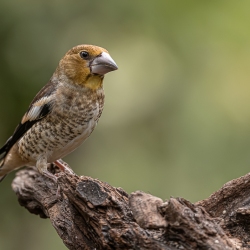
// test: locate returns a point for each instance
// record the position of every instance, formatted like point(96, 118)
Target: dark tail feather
point(2, 177)
point(5, 148)
point(2, 155)
point(3, 151)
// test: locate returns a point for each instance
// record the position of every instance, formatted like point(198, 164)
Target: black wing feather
point(22, 128)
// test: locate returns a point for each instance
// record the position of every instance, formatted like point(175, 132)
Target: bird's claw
point(64, 166)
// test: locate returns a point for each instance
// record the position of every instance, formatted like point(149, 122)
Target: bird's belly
point(54, 142)
point(71, 145)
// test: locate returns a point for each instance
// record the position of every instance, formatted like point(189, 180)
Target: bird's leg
point(41, 165)
point(63, 166)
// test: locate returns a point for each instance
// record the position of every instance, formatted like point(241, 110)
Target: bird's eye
point(84, 54)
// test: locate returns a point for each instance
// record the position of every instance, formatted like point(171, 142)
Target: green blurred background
point(176, 120)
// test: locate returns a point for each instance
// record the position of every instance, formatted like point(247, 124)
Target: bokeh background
point(176, 120)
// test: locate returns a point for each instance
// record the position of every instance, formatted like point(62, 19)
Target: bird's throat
point(94, 82)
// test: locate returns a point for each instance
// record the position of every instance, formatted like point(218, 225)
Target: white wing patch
point(36, 108)
point(32, 114)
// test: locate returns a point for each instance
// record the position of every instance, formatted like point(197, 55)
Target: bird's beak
point(102, 64)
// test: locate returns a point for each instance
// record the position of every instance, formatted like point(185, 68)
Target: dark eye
point(84, 54)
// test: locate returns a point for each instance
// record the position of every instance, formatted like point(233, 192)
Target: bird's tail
point(2, 177)
point(3, 152)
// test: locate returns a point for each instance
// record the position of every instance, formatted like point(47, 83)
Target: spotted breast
point(59, 134)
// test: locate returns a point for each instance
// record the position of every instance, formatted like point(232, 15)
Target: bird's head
point(86, 65)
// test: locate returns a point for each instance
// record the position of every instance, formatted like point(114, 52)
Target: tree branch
point(91, 214)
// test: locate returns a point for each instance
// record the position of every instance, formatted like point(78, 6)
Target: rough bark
point(90, 214)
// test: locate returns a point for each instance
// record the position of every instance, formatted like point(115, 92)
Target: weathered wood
point(231, 203)
point(91, 214)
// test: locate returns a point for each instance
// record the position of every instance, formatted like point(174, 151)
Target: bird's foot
point(54, 178)
point(58, 193)
point(64, 166)
point(49, 175)
point(43, 169)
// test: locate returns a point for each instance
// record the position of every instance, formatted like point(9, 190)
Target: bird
point(62, 115)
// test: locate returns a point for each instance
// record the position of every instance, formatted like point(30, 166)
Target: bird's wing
point(39, 108)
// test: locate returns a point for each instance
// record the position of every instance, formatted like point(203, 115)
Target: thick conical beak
point(103, 64)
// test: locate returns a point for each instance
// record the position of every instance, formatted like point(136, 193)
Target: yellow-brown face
point(85, 62)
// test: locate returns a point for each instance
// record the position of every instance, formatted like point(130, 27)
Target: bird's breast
point(81, 119)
